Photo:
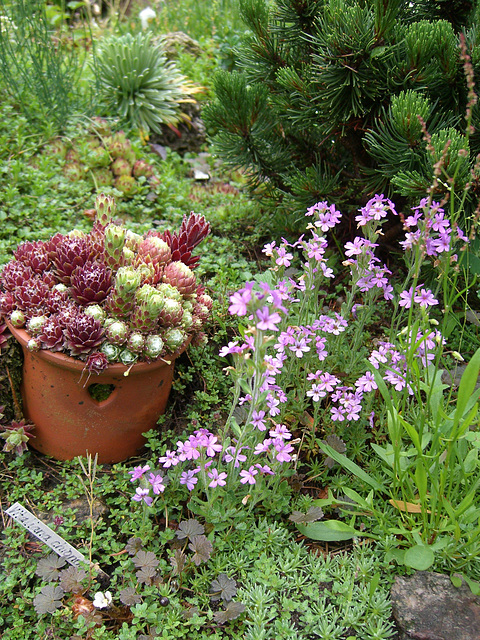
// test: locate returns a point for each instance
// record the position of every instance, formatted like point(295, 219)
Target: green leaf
point(328, 531)
point(473, 584)
point(467, 385)
point(352, 467)
point(419, 557)
point(456, 580)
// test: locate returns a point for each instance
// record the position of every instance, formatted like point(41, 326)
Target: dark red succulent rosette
point(83, 335)
point(71, 252)
point(33, 254)
point(90, 283)
point(31, 296)
point(52, 336)
point(14, 274)
point(96, 362)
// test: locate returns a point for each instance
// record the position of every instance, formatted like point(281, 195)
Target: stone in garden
point(426, 606)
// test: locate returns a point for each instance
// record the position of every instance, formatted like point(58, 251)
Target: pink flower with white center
point(327, 382)
point(406, 298)
point(280, 431)
point(327, 271)
point(272, 404)
point(240, 300)
point(248, 476)
point(354, 248)
point(284, 258)
point(395, 379)
point(232, 454)
point(440, 224)
point(267, 321)
point(442, 243)
point(366, 383)
point(425, 298)
point(138, 472)
point(265, 469)
point(258, 420)
point(263, 447)
point(300, 347)
point(388, 292)
point(320, 343)
point(157, 482)
point(169, 459)
point(218, 479)
point(268, 248)
point(212, 446)
point(189, 450)
point(411, 240)
point(231, 348)
point(283, 450)
point(316, 393)
point(412, 221)
point(142, 494)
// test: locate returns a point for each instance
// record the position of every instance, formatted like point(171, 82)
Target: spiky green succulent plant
point(139, 83)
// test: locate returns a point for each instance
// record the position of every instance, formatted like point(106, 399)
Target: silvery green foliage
point(223, 587)
point(138, 83)
point(49, 599)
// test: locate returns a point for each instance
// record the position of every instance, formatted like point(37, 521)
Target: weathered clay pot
point(56, 394)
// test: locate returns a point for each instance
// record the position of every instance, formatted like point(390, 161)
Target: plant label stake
point(45, 534)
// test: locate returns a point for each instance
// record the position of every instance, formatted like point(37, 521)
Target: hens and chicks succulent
point(106, 158)
point(110, 295)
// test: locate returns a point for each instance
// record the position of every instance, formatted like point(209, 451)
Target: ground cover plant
point(319, 443)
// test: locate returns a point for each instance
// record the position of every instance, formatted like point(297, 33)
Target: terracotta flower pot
point(69, 421)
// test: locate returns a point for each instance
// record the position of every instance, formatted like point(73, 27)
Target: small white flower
point(102, 600)
point(146, 15)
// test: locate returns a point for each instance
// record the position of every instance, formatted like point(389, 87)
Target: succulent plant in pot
point(110, 306)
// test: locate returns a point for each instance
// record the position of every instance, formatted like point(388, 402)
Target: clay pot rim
point(67, 362)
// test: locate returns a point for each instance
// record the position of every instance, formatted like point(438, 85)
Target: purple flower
point(425, 298)
point(283, 450)
point(366, 383)
point(284, 258)
point(189, 478)
point(218, 479)
point(263, 447)
point(265, 469)
point(232, 454)
point(268, 321)
point(268, 248)
point(280, 431)
point(258, 420)
point(316, 393)
point(138, 472)
point(338, 413)
point(212, 446)
point(239, 301)
point(157, 483)
point(142, 494)
point(169, 459)
point(300, 347)
point(248, 476)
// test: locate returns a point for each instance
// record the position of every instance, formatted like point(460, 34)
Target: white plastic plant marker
point(45, 534)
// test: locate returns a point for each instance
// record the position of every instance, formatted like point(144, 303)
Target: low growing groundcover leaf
point(49, 599)
point(329, 531)
point(189, 529)
point(223, 587)
point(232, 611)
